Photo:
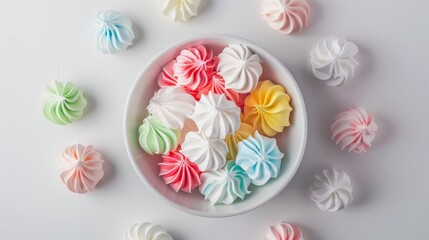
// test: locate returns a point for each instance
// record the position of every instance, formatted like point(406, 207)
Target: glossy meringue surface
point(286, 16)
point(113, 31)
point(172, 106)
point(332, 191)
point(260, 157)
point(268, 108)
point(63, 103)
point(147, 231)
point(180, 10)
point(207, 152)
point(193, 67)
point(283, 231)
point(81, 168)
point(156, 138)
point(354, 129)
point(333, 60)
point(216, 116)
point(224, 186)
point(232, 140)
point(240, 68)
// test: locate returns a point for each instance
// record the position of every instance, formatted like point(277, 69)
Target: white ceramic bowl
point(292, 142)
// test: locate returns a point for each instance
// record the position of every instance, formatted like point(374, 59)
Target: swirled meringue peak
point(333, 60)
point(82, 168)
point(216, 116)
point(180, 10)
point(267, 108)
point(354, 130)
point(193, 67)
point(283, 231)
point(332, 191)
point(114, 32)
point(207, 152)
point(224, 186)
point(147, 231)
point(178, 172)
point(167, 79)
point(232, 140)
point(216, 84)
point(156, 137)
point(240, 68)
point(286, 16)
point(260, 157)
point(63, 103)
point(171, 105)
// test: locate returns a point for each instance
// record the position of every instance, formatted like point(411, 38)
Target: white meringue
point(333, 60)
point(286, 16)
point(216, 116)
point(147, 231)
point(180, 10)
point(332, 191)
point(208, 153)
point(240, 68)
point(171, 105)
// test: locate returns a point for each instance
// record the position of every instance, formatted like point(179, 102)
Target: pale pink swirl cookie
point(167, 79)
point(354, 129)
point(286, 16)
point(82, 168)
point(283, 231)
point(193, 67)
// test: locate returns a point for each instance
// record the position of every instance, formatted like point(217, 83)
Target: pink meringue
point(286, 16)
point(179, 172)
point(354, 129)
point(167, 79)
point(216, 84)
point(82, 168)
point(283, 231)
point(193, 67)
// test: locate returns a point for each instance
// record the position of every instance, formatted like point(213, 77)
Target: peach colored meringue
point(286, 16)
point(283, 231)
point(354, 129)
point(193, 66)
point(180, 173)
point(82, 168)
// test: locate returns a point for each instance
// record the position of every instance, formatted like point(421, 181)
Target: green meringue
point(155, 137)
point(63, 103)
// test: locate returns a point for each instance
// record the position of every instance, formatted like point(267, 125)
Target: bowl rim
point(273, 60)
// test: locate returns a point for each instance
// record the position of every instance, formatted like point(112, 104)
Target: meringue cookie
point(180, 10)
point(286, 16)
point(283, 231)
point(354, 130)
point(167, 79)
point(63, 103)
point(225, 185)
point(267, 108)
point(155, 137)
point(82, 168)
point(208, 153)
point(193, 66)
point(332, 191)
point(260, 157)
point(147, 231)
point(114, 32)
point(216, 84)
point(333, 60)
point(178, 172)
point(216, 116)
point(240, 68)
point(171, 105)
point(232, 140)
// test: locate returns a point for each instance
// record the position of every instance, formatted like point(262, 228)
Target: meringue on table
point(180, 10)
point(283, 231)
point(147, 231)
point(286, 16)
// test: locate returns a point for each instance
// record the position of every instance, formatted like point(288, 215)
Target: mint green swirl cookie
point(63, 103)
point(155, 137)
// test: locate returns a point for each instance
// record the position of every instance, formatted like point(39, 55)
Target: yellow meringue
point(232, 140)
point(268, 108)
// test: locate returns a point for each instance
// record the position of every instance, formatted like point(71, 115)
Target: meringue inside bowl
point(291, 142)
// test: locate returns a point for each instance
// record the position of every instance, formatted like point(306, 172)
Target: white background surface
point(49, 40)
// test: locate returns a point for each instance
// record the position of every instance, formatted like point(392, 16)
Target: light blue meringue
point(113, 32)
point(224, 186)
point(260, 157)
